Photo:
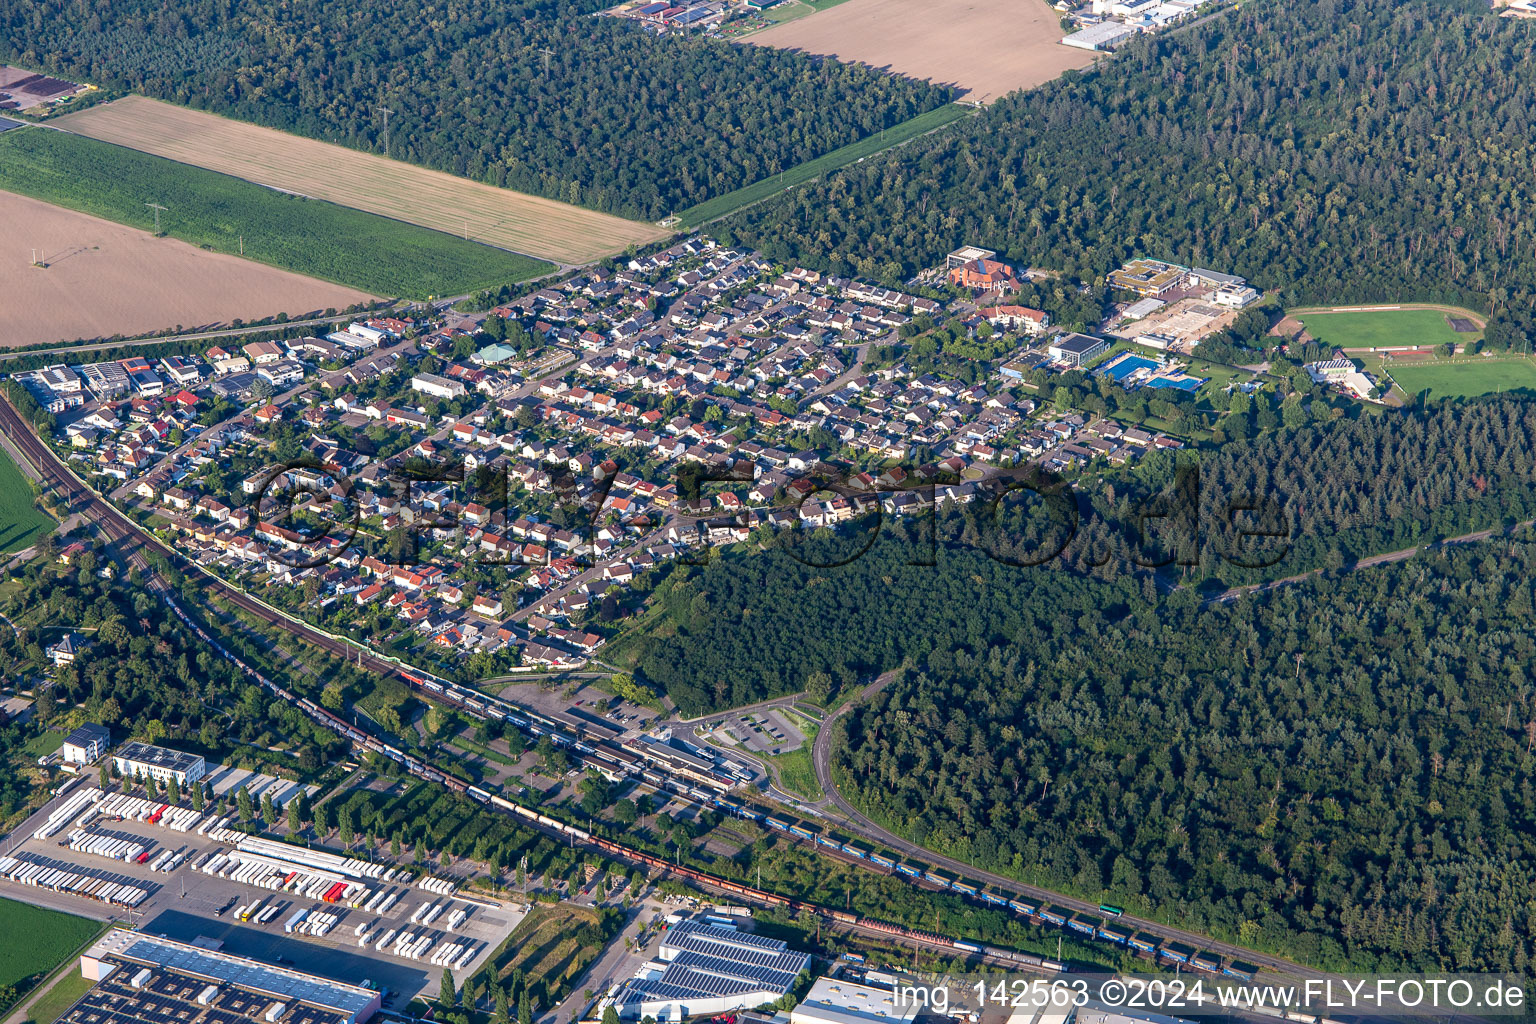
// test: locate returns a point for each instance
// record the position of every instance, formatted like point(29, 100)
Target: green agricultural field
point(33, 941)
point(869, 145)
point(1464, 378)
point(20, 521)
point(216, 211)
point(1384, 327)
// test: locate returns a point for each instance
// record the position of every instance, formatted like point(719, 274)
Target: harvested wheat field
point(391, 188)
point(987, 49)
point(102, 279)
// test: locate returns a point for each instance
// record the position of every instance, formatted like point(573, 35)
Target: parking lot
point(572, 700)
point(186, 903)
point(765, 732)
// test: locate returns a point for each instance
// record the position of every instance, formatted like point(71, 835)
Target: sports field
point(1378, 328)
point(33, 941)
point(496, 216)
point(985, 49)
point(20, 521)
point(1466, 377)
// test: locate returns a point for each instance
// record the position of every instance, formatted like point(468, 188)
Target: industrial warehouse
point(709, 968)
point(142, 979)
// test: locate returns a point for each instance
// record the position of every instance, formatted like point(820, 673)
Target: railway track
point(133, 545)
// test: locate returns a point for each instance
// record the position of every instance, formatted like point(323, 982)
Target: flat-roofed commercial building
point(86, 744)
point(138, 760)
point(1077, 349)
point(709, 969)
point(838, 1001)
point(143, 979)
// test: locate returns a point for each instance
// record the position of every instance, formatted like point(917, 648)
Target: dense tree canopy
point(1338, 770)
point(1336, 151)
point(610, 117)
point(752, 626)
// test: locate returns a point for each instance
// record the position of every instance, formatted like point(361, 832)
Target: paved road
point(223, 332)
point(131, 543)
point(614, 963)
point(125, 490)
point(857, 822)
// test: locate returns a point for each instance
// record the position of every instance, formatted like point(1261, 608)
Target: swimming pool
point(1187, 384)
point(1127, 365)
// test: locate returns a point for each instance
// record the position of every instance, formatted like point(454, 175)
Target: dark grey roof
point(709, 962)
point(86, 735)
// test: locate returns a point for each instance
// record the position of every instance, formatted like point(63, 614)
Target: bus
point(1112, 911)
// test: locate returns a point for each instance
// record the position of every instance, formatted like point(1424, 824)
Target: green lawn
point(20, 521)
point(69, 987)
point(43, 744)
point(796, 769)
point(1465, 377)
point(215, 211)
point(34, 941)
point(732, 201)
point(1386, 327)
point(790, 10)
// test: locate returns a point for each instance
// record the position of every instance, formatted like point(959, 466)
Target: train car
point(1239, 969)
point(1116, 933)
point(1086, 924)
point(831, 843)
point(1053, 965)
point(993, 898)
point(940, 880)
point(969, 947)
point(965, 888)
point(1051, 914)
point(1144, 942)
point(854, 851)
point(1206, 961)
point(773, 822)
point(1178, 952)
point(909, 870)
point(882, 860)
point(480, 794)
point(1023, 907)
point(803, 833)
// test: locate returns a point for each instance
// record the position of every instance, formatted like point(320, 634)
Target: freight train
point(617, 763)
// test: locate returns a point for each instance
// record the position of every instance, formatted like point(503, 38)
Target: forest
point(1337, 151)
point(538, 96)
point(1337, 771)
point(141, 673)
point(1340, 772)
point(1334, 493)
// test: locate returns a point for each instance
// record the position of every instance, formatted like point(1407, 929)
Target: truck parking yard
point(186, 874)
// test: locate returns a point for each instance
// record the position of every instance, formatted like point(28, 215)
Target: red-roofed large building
point(1030, 321)
point(983, 275)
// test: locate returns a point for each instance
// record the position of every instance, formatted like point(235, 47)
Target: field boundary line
point(14, 1012)
point(894, 145)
